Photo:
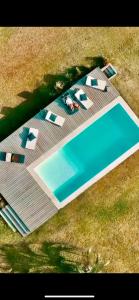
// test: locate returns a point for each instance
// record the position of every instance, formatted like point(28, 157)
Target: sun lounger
point(96, 83)
point(109, 71)
point(53, 118)
point(32, 138)
point(12, 157)
point(72, 105)
point(67, 99)
point(83, 99)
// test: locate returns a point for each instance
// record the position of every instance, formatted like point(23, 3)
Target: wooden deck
point(17, 185)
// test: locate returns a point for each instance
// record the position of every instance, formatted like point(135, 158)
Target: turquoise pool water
point(89, 152)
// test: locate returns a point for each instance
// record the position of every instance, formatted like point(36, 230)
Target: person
point(76, 105)
point(72, 105)
point(14, 158)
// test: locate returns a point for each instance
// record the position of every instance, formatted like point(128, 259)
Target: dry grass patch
point(105, 217)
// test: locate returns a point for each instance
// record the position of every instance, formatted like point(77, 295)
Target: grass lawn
point(106, 216)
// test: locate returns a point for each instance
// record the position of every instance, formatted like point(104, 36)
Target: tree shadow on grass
point(51, 258)
point(44, 94)
point(96, 61)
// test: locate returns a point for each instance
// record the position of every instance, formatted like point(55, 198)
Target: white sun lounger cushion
point(8, 157)
point(55, 119)
point(87, 103)
point(98, 83)
point(31, 144)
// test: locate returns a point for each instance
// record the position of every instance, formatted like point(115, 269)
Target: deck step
point(4, 216)
point(17, 218)
point(16, 225)
point(15, 221)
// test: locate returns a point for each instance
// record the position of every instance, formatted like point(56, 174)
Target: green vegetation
point(50, 258)
point(107, 214)
point(105, 217)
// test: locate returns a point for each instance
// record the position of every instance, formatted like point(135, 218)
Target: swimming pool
point(88, 155)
